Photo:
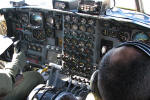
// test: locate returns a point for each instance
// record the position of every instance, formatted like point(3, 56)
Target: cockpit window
point(45, 3)
point(5, 4)
point(146, 6)
point(126, 4)
point(41, 3)
point(132, 5)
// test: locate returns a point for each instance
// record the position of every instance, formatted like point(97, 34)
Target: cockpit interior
point(66, 46)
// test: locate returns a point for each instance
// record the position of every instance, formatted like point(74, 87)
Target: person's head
point(124, 74)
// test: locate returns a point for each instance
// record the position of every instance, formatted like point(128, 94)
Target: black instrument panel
point(82, 39)
point(79, 45)
point(123, 32)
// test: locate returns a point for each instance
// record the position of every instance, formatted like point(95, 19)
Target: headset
point(138, 45)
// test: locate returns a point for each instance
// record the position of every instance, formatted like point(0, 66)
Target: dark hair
point(125, 78)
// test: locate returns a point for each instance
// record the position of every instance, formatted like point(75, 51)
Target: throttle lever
point(17, 45)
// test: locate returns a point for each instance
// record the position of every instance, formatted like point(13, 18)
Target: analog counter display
point(50, 20)
point(24, 18)
point(36, 19)
point(39, 34)
point(140, 36)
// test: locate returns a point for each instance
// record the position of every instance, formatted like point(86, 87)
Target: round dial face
point(123, 36)
point(74, 33)
point(50, 21)
point(75, 27)
point(24, 18)
point(90, 29)
point(91, 22)
point(67, 18)
point(36, 19)
point(75, 19)
point(67, 25)
point(140, 36)
point(82, 28)
point(83, 21)
point(39, 34)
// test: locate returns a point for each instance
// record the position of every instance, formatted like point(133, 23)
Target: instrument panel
point(75, 41)
point(79, 45)
point(123, 32)
point(81, 39)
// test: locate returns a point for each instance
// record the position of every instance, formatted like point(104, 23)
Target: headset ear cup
point(93, 84)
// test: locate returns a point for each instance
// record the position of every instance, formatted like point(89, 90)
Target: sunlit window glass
point(5, 3)
point(126, 4)
point(146, 4)
point(47, 3)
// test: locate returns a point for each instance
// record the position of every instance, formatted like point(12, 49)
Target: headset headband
point(144, 47)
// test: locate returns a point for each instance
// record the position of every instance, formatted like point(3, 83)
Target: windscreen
point(126, 4)
point(146, 6)
point(42, 3)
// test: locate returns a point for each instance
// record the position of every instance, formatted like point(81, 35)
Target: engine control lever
point(59, 67)
point(17, 45)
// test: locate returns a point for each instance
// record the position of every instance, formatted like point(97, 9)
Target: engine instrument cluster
point(113, 30)
point(38, 29)
point(79, 45)
point(125, 32)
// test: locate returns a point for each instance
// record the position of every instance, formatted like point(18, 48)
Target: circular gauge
point(24, 18)
point(50, 21)
point(91, 22)
point(81, 44)
point(67, 25)
point(83, 21)
point(89, 45)
point(90, 37)
point(90, 29)
point(49, 32)
point(74, 33)
point(75, 19)
point(75, 27)
point(123, 36)
point(82, 28)
point(39, 34)
point(65, 33)
point(39, 49)
point(113, 34)
point(67, 18)
point(75, 42)
point(58, 26)
point(36, 19)
point(29, 46)
point(34, 47)
point(67, 40)
point(140, 36)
